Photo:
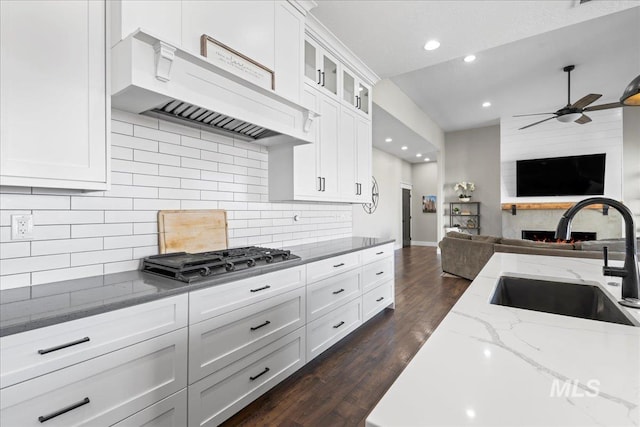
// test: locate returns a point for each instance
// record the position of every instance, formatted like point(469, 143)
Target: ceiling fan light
point(631, 95)
point(570, 117)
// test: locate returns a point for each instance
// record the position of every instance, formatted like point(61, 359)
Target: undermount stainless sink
point(568, 299)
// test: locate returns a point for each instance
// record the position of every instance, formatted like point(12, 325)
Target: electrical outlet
point(21, 227)
point(296, 216)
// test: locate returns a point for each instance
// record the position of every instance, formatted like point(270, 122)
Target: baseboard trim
point(419, 243)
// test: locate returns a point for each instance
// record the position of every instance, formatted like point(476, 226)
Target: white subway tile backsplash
point(34, 263)
point(101, 257)
point(64, 246)
point(15, 281)
point(39, 278)
point(100, 203)
point(15, 250)
point(156, 165)
point(101, 230)
point(131, 142)
point(130, 241)
point(29, 201)
point(155, 134)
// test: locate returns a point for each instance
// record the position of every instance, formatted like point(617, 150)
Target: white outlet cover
point(21, 227)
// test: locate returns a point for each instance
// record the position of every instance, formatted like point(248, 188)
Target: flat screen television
point(561, 176)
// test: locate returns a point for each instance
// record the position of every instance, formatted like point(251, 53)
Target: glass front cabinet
point(355, 92)
point(320, 68)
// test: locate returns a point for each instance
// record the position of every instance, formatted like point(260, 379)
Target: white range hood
point(155, 78)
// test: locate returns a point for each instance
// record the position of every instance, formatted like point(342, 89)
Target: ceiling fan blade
point(583, 119)
point(586, 100)
point(604, 106)
point(534, 114)
point(533, 124)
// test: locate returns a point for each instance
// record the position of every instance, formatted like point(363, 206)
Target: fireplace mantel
point(545, 206)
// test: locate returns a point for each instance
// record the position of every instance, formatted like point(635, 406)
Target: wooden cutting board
point(192, 231)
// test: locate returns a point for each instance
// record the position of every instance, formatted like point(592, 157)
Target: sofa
point(464, 254)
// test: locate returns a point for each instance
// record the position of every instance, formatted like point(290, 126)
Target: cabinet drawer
point(220, 341)
point(216, 300)
point(103, 390)
point(376, 300)
point(331, 266)
point(332, 327)
point(376, 273)
point(222, 394)
point(327, 294)
point(169, 412)
point(377, 252)
point(33, 353)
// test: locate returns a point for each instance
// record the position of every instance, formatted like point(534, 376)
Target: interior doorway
point(406, 217)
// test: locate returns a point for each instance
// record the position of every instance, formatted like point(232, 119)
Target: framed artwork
point(429, 204)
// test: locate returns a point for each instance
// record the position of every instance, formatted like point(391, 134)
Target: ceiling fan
point(573, 112)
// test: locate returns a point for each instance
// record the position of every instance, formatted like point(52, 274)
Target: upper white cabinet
point(269, 33)
point(54, 109)
point(320, 67)
point(355, 92)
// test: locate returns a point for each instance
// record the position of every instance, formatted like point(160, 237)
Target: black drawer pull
point(379, 273)
point(253, 328)
point(259, 375)
point(260, 289)
point(44, 418)
point(379, 299)
point(338, 325)
point(61, 346)
point(379, 253)
point(338, 265)
point(338, 291)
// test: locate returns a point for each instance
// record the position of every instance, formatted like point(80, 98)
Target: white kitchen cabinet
point(309, 172)
point(220, 395)
point(54, 108)
point(162, 20)
point(329, 267)
point(37, 352)
point(320, 68)
point(355, 93)
point(354, 157)
point(363, 160)
point(224, 339)
point(327, 294)
point(376, 300)
point(322, 333)
point(169, 412)
point(103, 390)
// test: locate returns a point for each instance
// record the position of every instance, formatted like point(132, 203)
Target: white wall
point(155, 165)
point(631, 149)
point(555, 139)
point(386, 222)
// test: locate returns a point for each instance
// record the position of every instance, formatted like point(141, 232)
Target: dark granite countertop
point(32, 307)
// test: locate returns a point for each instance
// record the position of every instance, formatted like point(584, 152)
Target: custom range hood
point(154, 78)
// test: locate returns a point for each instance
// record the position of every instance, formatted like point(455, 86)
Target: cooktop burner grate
point(191, 267)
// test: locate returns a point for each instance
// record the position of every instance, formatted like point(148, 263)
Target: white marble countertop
point(493, 365)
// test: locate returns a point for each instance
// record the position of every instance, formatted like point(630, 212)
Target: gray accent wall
point(424, 177)
point(474, 155)
point(631, 161)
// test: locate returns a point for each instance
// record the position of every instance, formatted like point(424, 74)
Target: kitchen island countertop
point(491, 365)
point(31, 307)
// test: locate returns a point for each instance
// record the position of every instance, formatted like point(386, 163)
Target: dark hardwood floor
point(341, 386)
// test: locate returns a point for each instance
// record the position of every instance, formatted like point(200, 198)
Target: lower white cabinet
point(169, 412)
point(332, 327)
point(376, 300)
point(224, 339)
point(220, 395)
point(103, 390)
point(327, 294)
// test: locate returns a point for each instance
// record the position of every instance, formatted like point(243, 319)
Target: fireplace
point(549, 236)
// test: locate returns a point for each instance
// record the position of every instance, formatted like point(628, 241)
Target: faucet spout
point(629, 273)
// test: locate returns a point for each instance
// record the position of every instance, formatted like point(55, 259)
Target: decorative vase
point(465, 199)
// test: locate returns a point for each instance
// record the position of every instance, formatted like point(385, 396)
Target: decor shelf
point(465, 216)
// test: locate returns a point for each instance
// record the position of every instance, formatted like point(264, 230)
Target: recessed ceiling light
point(426, 159)
point(419, 155)
point(432, 45)
point(469, 58)
point(404, 147)
point(388, 140)
point(486, 104)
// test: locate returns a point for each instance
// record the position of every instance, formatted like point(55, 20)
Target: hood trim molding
point(149, 73)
